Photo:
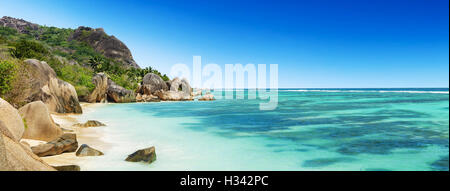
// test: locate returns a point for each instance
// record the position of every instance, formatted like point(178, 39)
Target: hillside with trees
point(75, 55)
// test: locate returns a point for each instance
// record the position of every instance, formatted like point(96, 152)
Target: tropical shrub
point(7, 76)
point(29, 49)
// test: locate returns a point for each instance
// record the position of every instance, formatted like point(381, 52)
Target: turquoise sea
point(311, 129)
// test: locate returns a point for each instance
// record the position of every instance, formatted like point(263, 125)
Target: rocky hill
point(20, 25)
point(108, 46)
point(72, 58)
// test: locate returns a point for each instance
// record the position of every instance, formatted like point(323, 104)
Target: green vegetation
point(73, 61)
point(24, 49)
point(7, 76)
point(25, 123)
point(15, 81)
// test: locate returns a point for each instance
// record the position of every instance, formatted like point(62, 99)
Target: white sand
point(90, 136)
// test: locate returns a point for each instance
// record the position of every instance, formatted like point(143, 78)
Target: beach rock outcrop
point(11, 123)
point(173, 96)
point(39, 123)
point(67, 168)
point(207, 97)
point(101, 87)
point(107, 90)
point(147, 98)
point(180, 85)
point(109, 46)
point(147, 155)
point(197, 93)
point(90, 123)
point(176, 90)
point(119, 94)
point(152, 83)
point(66, 143)
point(58, 95)
point(86, 150)
point(14, 156)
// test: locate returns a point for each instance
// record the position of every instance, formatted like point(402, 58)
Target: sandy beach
point(90, 136)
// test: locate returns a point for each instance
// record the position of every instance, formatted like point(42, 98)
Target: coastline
point(91, 136)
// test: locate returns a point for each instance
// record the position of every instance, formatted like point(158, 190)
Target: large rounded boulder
point(119, 94)
point(39, 123)
point(86, 150)
point(16, 157)
point(147, 155)
point(65, 143)
point(152, 83)
point(101, 87)
point(13, 125)
point(180, 85)
point(58, 95)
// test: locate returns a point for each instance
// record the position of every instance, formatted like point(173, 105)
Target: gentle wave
point(369, 91)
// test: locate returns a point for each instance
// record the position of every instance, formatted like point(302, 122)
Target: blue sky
point(316, 43)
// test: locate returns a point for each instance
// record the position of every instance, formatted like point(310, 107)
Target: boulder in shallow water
point(147, 98)
point(40, 125)
point(207, 97)
point(67, 168)
point(197, 93)
point(13, 125)
point(66, 143)
point(174, 96)
point(147, 155)
point(86, 150)
point(90, 123)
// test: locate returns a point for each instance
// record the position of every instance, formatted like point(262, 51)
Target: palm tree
point(96, 62)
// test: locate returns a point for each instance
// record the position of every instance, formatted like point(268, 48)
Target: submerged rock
point(90, 123)
point(147, 155)
point(40, 125)
point(67, 168)
point(86, 150)
point(66, 143)
point(441, 164)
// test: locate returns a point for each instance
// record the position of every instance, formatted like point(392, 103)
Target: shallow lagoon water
point(311, 129)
